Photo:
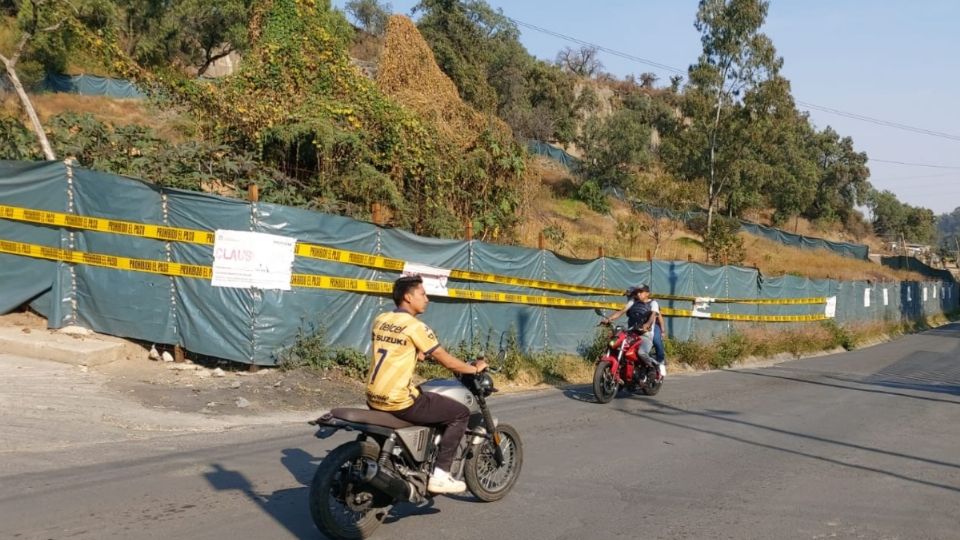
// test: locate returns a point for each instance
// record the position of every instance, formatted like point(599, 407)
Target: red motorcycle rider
point(641, 318)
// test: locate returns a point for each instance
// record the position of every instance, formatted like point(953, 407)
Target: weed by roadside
point(311, 350)
point(522, 368)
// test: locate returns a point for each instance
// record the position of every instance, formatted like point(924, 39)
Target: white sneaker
point(663, 369)
point(442, 482)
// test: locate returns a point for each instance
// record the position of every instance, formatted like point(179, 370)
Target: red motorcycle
point(625, 366)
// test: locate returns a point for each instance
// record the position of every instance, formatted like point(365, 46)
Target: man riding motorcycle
point(640, 317)
point(400, 340)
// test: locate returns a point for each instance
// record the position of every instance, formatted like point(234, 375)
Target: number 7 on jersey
point(376, 369)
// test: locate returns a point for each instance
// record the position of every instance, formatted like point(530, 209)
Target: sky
point(894, 61)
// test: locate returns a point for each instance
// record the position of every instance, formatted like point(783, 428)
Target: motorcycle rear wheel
point(604, 384)
point(331, 487)
point(484, 479)
point(651, 388)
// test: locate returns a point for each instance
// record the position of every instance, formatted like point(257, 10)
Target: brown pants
point(434, 410)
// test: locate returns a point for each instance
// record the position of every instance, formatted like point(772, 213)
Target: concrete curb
point(69, 349)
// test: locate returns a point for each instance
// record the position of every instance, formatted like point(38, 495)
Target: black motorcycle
point(390, 461)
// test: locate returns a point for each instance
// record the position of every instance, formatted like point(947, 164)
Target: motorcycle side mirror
point(497, 364)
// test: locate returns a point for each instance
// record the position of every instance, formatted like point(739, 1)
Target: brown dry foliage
point(169, 124)
point(409, 74)
point(586, 231)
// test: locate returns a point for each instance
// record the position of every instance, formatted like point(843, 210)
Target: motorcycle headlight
point(485, 384)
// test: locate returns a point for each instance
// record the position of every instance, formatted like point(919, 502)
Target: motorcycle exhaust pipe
point(387, 482)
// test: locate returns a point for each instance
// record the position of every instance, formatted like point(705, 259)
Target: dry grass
point(169, 125)
point(552, 203)
point(805, 227)
point(774, 259)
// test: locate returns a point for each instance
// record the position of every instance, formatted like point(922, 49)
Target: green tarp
point(253, 326)
point(90, 85)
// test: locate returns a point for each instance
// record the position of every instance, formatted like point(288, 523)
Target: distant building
point(911, 250)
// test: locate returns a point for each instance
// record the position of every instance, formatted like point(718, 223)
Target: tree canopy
point(328, 137)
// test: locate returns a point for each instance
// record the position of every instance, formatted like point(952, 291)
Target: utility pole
point(956, 240)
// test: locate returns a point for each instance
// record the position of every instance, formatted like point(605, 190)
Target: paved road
point(857, 445)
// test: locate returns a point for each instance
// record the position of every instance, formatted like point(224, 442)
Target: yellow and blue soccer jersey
point(397, 338)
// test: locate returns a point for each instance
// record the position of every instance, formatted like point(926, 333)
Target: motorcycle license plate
point(325, 432)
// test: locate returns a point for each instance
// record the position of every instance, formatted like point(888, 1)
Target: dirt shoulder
point(211, 388)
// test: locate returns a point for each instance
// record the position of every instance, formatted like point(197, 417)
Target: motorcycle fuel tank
point(452, 388)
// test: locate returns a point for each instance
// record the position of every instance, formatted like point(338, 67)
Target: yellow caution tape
point(344, 284)
point(314, 251)
point(106, 261)
point(758, 301)
point(744, 317)
point(142, 230)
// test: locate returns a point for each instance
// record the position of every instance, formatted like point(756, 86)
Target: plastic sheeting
point(557, 154)
point(913, 264)
point(90, 85)
point(856, 251)
point(30, 185)
point(254, 326)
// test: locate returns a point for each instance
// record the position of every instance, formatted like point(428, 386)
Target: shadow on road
point(290, 507)
point(584, 393)
point(948, 386)
point(677, 413)
point(951, 330)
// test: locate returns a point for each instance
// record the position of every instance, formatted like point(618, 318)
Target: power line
point(608, 50)
point(869, 159)
point(830, 110)
point(880, 122)
point(916, 177)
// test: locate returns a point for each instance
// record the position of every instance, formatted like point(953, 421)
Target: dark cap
point(634, 290)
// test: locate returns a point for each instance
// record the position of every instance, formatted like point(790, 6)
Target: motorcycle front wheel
point(339, 507)
point(604, 385)
point(484, 478)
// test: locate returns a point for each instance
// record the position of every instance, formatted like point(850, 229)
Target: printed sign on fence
point(831, 308)
point(434, 279)
point(886, 298)
point(249, 260)
point(866, 297)
point(701, 308)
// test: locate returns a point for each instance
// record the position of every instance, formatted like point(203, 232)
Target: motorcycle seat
point(365, 416)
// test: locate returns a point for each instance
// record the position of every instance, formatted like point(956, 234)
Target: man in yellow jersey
point(399, 341)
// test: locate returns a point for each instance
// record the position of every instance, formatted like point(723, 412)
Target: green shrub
point(841, 336)
point(730, 348)
point(591, 194)
point(311, 351)
point(690, 352)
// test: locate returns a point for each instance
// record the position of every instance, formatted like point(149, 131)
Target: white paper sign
point(831, 308)
point(924, 294)
point(866, 297)
point(934, 293)
point(249, 260)
point(886, 298)
point(909, 299)
point(701, 308)
point(434, 279)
